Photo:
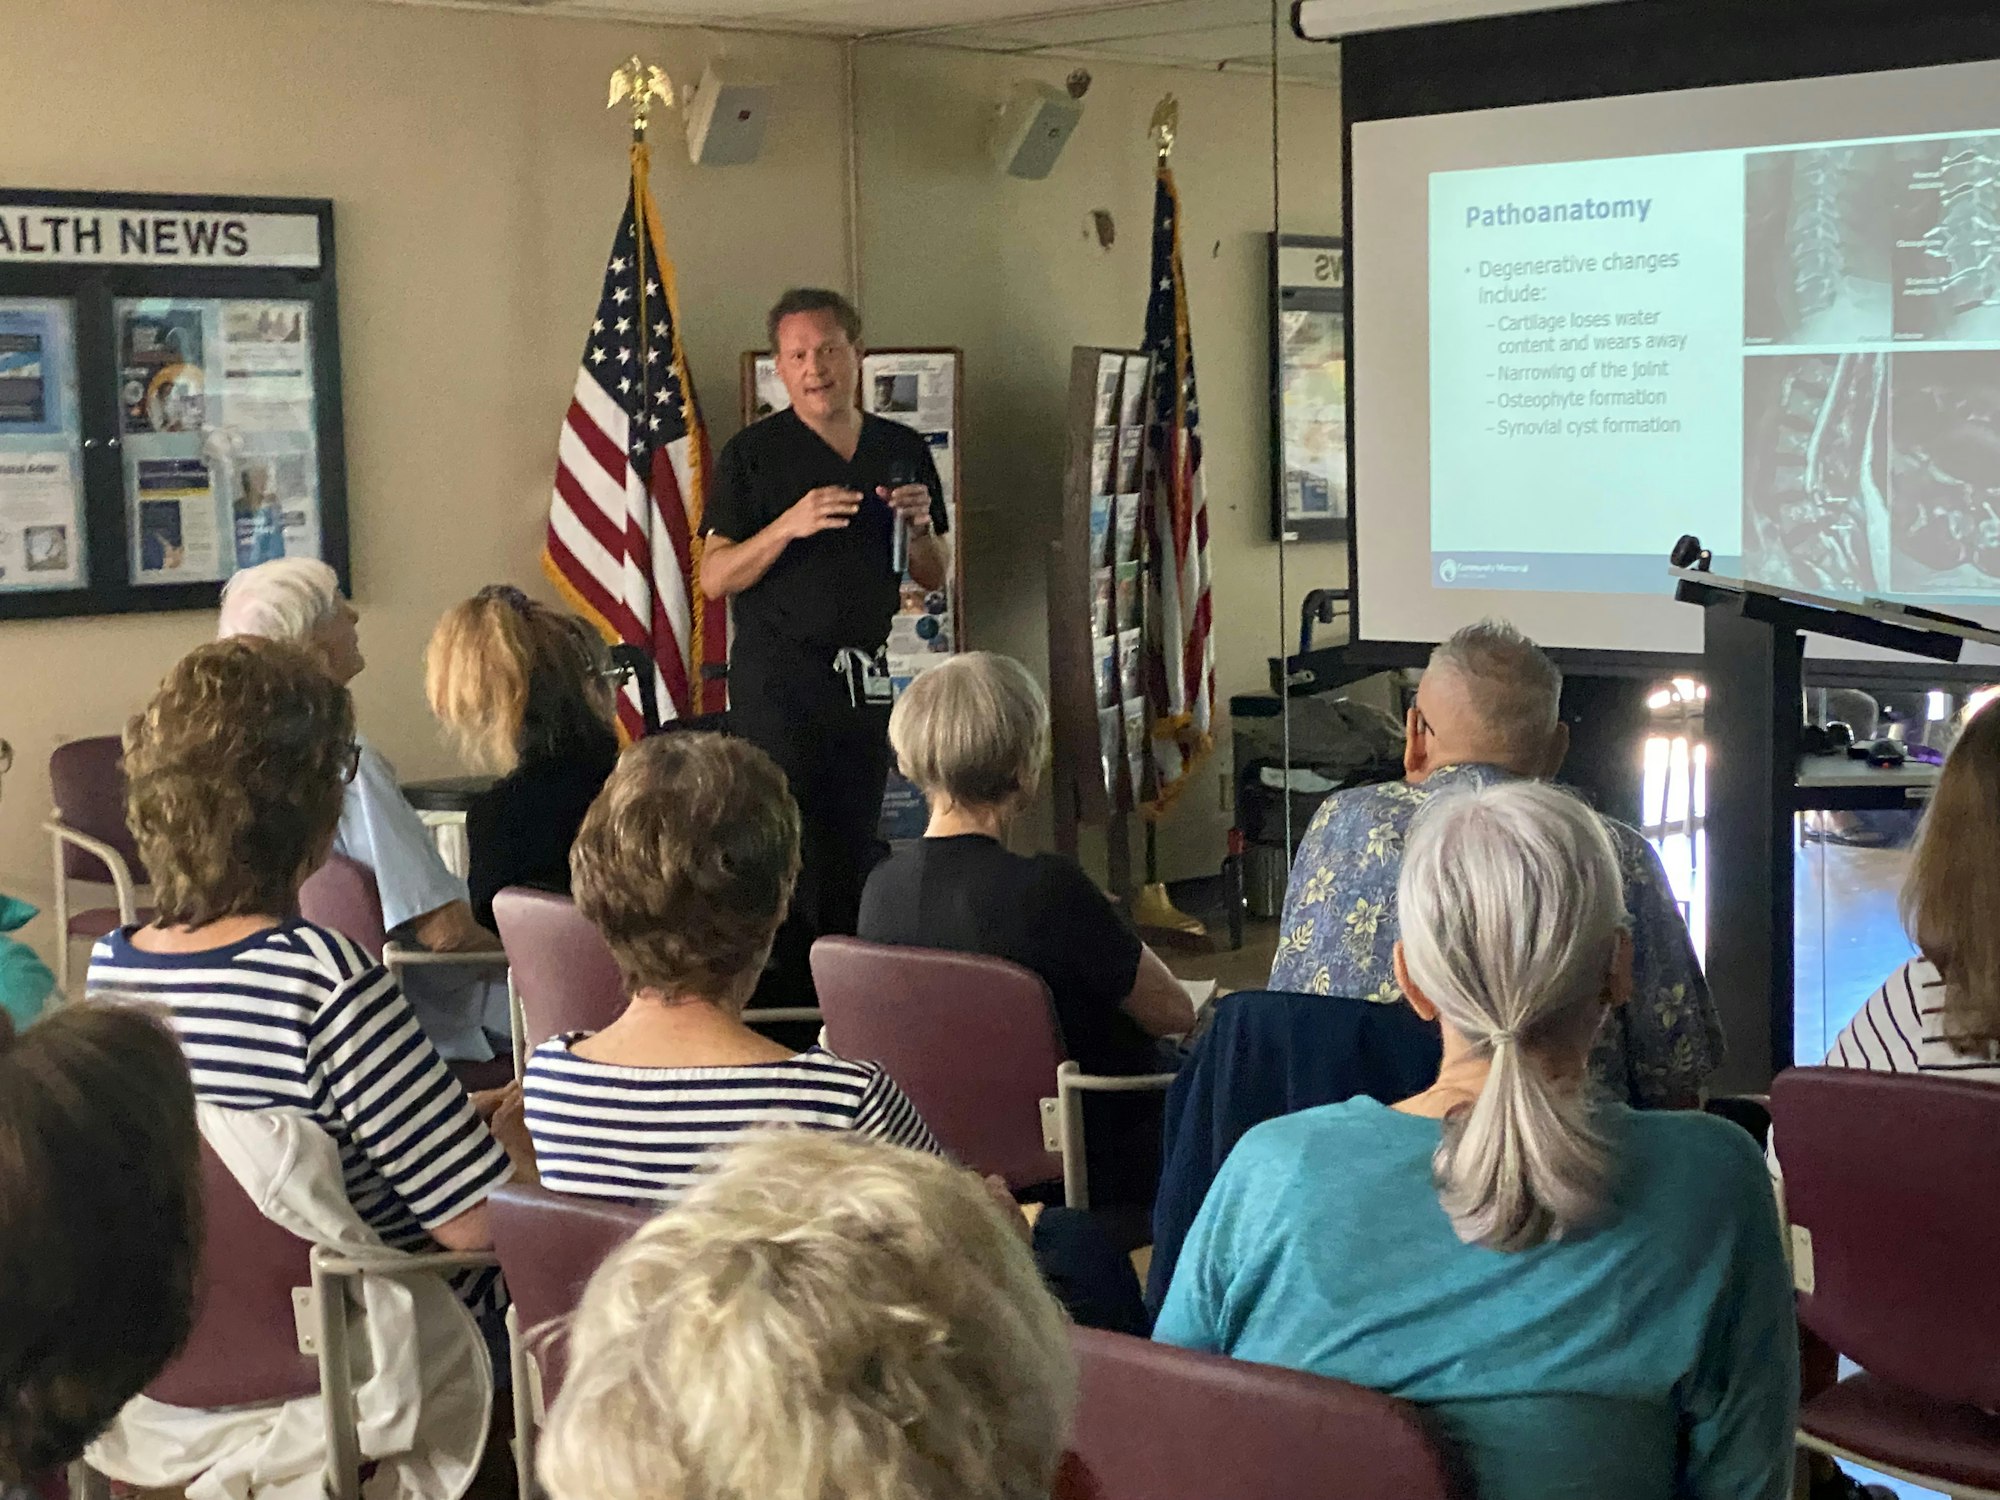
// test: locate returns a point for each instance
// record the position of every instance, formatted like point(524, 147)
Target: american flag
point(631, 473)
point(1180, 681)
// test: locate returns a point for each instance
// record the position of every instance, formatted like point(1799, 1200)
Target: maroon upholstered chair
point(271, 1321)
point(244, 1348)
point(342, 894)
point(1889, 1189)
point(563, 977)
point(1160, 1423)
point(91, 844)
point(973, 1042)
point(549, 1246)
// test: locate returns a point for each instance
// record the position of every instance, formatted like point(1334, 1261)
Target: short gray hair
point(1514, 688)
point(283, 600)
point(974, 729)
point(1511, 903)
point(823, 1314)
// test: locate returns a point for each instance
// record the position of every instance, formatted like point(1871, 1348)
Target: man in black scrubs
point(800, 523)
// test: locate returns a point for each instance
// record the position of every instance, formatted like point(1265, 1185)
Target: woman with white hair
point(1590, 1300)
point(825, 1316)
point(298, 599)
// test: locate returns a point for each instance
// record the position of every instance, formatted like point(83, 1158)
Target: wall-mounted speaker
point(725, 120)
point(1032, 128)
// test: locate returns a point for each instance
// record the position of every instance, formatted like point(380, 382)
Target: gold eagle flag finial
point(1166, 123)
point(641, 84)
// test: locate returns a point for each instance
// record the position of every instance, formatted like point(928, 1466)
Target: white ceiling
point(1233, 34)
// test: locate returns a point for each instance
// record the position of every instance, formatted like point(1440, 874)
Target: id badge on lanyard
point(866, 674)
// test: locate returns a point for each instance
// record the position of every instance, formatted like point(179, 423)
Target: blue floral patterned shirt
point(1340, 927)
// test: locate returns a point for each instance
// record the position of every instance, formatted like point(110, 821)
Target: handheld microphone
point(901, 472)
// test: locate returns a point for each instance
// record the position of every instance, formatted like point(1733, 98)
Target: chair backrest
point(342, 894)
point(549, 1245)
point(1160, 1423)
point(565, 976)
point(971, 1040)
point(244, 1348)
point(87, 785)
point(1891, 1177)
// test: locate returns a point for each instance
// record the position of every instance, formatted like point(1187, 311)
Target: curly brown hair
point(686, 864)
point(100, 1193)
point(236, 770)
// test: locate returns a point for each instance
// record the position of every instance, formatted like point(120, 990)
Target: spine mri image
point(1871, 447)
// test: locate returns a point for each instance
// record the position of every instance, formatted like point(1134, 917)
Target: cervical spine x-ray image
point(1948, 239)
point(1817, 234)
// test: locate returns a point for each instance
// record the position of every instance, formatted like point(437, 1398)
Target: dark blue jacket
point(1265, 1053)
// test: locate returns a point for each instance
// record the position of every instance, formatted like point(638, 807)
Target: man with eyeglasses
point(809, 512)
point(1487, 711)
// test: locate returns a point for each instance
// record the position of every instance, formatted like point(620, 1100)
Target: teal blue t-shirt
point(1654, 1358)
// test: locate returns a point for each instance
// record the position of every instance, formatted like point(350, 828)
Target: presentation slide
point(1722, 312)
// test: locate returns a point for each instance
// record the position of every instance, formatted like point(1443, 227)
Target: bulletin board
point(169, 397)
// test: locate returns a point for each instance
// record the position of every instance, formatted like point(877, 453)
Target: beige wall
point(476, 180)
point(954, 252)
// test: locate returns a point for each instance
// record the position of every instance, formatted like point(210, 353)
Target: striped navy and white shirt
point(296, 1017)
point(1901, 1030)
point(602, 1130)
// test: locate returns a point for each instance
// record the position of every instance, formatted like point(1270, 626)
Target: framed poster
point(41, 447)
point(1308, 388)
point(169, 397)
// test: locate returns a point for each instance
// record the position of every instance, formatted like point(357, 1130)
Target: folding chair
point(1889, 1189)
point(549, 1246)
point(973, 1041)
point(1159, 1423)
point(90, 843)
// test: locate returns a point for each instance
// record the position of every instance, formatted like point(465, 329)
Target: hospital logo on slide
point(1448, 570)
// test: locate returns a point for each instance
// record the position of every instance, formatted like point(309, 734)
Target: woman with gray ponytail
point(1590, 1300)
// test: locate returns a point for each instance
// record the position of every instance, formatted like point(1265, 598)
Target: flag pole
point(1153, 909)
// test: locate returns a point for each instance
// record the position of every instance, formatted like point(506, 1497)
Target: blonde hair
point(973, 730)
point(513, 680)
point(235, 774)
point(824, 1317)
point(1952, 892)
point(1511, 907)
point(686, 863)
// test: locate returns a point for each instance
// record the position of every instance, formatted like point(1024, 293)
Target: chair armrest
point(395, 1263)
point(771, 1013)
point(110, 858)
point(1108, 1083)
point(397, 955)
point(329, 1303)
point(1072, 1083)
